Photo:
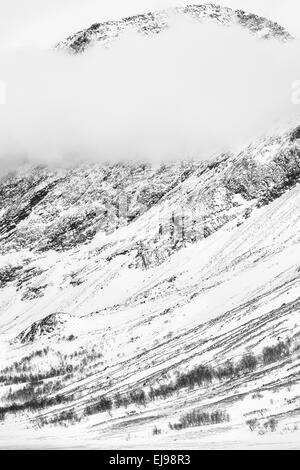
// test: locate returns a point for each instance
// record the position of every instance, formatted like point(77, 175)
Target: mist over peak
point(159, 21)
point(194, 90)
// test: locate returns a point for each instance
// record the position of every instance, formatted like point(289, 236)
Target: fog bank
point(186, 93)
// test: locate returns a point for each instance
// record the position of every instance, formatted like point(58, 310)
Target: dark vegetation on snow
point(200, 418)
point(37, 395)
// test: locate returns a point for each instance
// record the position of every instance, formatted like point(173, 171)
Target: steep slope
point(158, 303)
point(155, 23)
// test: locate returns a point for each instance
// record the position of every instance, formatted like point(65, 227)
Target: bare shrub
point(275, 353)
point(138, 397)
point(156, 431)
point(225, 372)
point(66, 417)
point(252, 423)
point(35, 404)
point(196, 376)
point(121, 400)
point(271, 425)
point(201, 418)
point(248, 362)
point(71, 338)
point(104, 404)
point(32, 391)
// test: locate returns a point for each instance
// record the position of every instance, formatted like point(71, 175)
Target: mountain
point(157, 22)
point(153, 306)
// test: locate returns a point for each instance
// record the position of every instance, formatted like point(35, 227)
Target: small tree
point(275, 353)
point(248, 362)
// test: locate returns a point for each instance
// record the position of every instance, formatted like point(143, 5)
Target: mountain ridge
point(153, 23)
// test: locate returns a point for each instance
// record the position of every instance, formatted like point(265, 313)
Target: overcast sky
point(43, 22)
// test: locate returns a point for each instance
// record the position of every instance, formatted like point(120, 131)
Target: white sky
point(41, 23)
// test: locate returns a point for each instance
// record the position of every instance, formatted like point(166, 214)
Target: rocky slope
point(154, 23)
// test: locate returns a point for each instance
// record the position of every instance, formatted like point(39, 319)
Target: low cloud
point(187, 93)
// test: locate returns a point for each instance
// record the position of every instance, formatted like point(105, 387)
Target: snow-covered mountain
point(153, 306)
point(157, 22)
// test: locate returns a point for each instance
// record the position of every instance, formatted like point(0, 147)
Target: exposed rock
point(51, 325)
point(155, 23)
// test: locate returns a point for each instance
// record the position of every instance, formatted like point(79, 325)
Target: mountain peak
point(156, 22)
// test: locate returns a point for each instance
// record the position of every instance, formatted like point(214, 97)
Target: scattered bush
point(200, 375)
point(156, 431)
point(19, 371)
point(25, 370)
point(31, 397)
point(197, 376)
point(225, 372)
point(271, 425)
point(247, 363)
point(35, 404)
point(258, 396)
point(104, 404)
point(71, 338)
point(138, 397)
point(262, 428)
point(163, 391)
point(24, 394)
point(200, 418)
point(275, 353)
point(252, 423)
point(63, 418)
point(121, 400)
point(32, 391)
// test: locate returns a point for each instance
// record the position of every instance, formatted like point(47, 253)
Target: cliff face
point(62, 209)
